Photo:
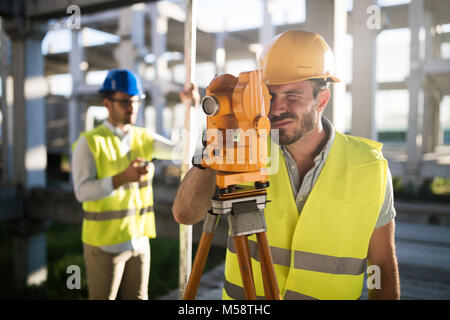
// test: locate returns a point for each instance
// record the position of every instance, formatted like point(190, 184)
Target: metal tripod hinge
point(245, 215)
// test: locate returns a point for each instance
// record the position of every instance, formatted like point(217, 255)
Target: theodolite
point(235, 144)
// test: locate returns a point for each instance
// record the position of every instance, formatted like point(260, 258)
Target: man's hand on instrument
point(190, 95)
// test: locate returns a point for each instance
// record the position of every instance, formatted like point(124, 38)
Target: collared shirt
point(88, 187)
point(302, 191)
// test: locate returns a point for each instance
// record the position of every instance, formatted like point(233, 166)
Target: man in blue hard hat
point(112, 176)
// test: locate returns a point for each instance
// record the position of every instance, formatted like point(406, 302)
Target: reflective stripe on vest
point(321, 254)
point(128, 211)
point(307, 260)
point(108, 215)
point(237, 293)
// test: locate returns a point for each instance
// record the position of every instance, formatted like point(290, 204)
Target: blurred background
point(392, 55)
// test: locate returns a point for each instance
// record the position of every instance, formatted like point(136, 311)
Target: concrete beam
point(437, 66)
point(47, 9)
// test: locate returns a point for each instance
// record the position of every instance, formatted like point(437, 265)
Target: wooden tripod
point(245, 217)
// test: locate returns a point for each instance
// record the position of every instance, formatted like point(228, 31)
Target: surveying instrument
point(236, 146)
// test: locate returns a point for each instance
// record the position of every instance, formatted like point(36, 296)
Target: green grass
point(64, 248)
point(433, 190)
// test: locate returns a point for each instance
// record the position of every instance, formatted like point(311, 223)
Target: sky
point(392, 54)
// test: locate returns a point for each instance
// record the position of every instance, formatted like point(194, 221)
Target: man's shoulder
point(364, 149)
point(142, 132)
point(98, 130)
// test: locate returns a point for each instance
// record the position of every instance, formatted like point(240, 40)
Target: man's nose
point(277, 106)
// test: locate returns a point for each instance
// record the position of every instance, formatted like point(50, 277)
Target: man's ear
point(106, 103)
point(322, 99)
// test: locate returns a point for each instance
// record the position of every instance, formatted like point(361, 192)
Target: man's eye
point(292, 98)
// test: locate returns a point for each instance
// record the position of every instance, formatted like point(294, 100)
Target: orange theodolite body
point(237, 128)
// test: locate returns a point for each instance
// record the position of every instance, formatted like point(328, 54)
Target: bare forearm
point(389, 288)
point(193, 197)
point(382, 255)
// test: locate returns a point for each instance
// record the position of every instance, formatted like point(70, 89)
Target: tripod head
point(237, 128)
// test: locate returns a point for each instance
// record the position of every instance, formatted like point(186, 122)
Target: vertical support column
point(159, 24)
point(430, 130)
point(320, 16)
point(30, 154)
point(267, 30)
point(364, 83)
point(29, 254)
point(139, 14)
point(340, 30)
point(432, 96)
point(7, 163)
point(220, 53)
point(127, 54)
point(76, 57)
point(413, 138)
point(30, 89)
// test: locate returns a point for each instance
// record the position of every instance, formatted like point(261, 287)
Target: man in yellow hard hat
point(331, 212)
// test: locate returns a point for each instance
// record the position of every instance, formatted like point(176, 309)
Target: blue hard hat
point(122, 80)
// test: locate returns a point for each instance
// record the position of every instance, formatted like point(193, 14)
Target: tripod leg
point(201, 256)
point(198, 266)
point(245, 266)
point(271, 290)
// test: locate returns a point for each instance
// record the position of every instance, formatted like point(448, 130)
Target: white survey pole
point(190, 37)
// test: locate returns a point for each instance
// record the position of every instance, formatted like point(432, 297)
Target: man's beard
point(307, 124)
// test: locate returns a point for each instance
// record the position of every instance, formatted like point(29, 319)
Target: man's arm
point(193, 197)
point(382, 254)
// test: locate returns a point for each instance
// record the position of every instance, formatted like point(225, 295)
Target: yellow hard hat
point(296, 55)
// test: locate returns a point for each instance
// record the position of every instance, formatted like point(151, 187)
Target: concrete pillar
point(77, 70)
point(432, 96)
point(220, 53)
point(339, 34)
point(29, 254)
point(430, 130)
point(159, 24)
point(30, 154)
point(414, 137)
point(138, 12)
point(7, 161)
point(364, 83)
point(129, 54)
point(267, 30)
point(320, 19)
point(30, 89)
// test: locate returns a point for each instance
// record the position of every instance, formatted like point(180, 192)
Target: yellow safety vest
point(128, 211)
point(322, 253)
